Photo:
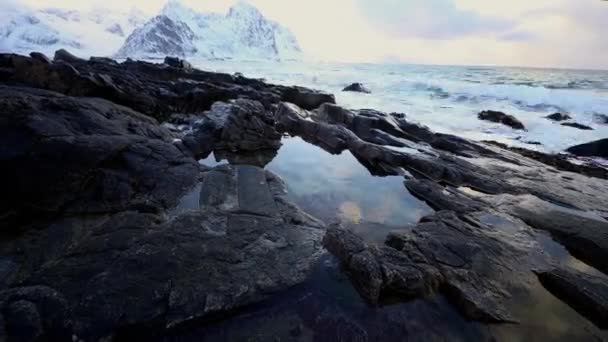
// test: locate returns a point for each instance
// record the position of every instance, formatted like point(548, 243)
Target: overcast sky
point(544, 33)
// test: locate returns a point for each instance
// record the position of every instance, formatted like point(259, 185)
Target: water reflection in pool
point(337, 188)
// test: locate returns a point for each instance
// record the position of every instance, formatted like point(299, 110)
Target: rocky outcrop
point(443, 253)
point(558, 161)
point(240, 125)
point(586, 294)
point(114, 231)
point(502, 118)
point(583, 234)
point(306, 98)
point(64, 56)
point(598, 148)
point(157, 90)
point(559, 117)
point(358, 88)
point(178, 63)
point(577, 125)
point(244, 243)
point(84, 156)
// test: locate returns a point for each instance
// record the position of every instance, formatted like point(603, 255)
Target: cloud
point(519, 36)
point(430, 19)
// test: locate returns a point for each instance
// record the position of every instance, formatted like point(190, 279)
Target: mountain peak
point(175, 8)
point(242, 33)
point(243, 8)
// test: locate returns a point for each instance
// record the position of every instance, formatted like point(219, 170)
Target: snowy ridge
point(242, 33)
point(98, 32)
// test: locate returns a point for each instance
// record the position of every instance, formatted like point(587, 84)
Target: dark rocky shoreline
point(95, 155)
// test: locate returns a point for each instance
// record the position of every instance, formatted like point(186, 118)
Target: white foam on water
point(448, 98)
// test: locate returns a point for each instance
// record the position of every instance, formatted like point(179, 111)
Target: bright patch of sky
point(540, 33)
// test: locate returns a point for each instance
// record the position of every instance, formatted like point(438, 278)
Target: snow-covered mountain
point(98, 32)
point(242, 33)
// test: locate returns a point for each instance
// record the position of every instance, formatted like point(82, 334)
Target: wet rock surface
point(112, 229)
point(598, 148)
point(144, 274)
point(156, 90)
point(558, 161)
point(63, 155)
point(358, 88)
point(558, 117)
point(587, 294)
point(577, 125)
point(500, 117)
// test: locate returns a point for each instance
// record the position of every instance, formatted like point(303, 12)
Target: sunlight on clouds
point(562, 33)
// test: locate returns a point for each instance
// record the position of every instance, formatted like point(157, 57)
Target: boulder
point(65, 56)
point(558, 117)
point(306, 98)
point(598, 148)
point(239, 125)
point(40, 57)
point(84, 156)
point(178, 63)
point(357, 87)
point(577, 125)
point(500, 117)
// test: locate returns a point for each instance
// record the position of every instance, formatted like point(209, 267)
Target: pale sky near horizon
point(538, 33)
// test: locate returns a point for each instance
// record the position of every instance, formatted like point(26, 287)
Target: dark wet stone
point(442, 253)
point(34, 313)
point(585, 293)
point(559, 161)
point(558, 117)
point(357, 87)
point(435, 196)
point(65, 56)
point(102, 60)
point(380, 160)
point(152, 89)
point(598, 148)
point(84, 156)
point(178, 63)
point(306, 98)
point(500, 117)
point(145, 275)
point(40, 57)
point(584, 235)
point(253, 191)
point(239, 125)
point(577, 125)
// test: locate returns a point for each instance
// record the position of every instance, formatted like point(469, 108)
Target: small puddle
point(337, 188)
point(190, 201)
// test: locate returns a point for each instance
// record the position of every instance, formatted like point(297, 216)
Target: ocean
point(447, 99)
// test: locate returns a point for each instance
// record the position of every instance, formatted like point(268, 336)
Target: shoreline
point(109, 149)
